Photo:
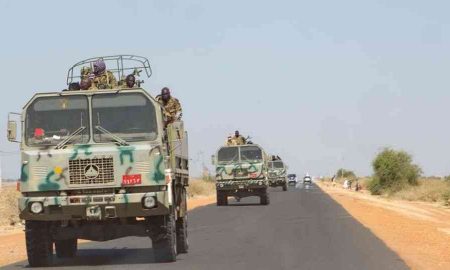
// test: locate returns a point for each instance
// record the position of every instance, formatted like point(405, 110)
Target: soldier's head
point(85, 84)
point(99, 67)
point(130, 80)
point(165, 94)
point(236, 133)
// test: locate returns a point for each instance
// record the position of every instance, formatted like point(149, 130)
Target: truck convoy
point(241, 171)
point(104, 164)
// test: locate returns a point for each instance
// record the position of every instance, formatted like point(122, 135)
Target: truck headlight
point(36, 207)
point(149, 202)
point(260, 183)
point(221, 185)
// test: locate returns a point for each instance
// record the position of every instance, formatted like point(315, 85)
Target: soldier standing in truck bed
point(102, 78)
point(238, 139)
point(171, 105)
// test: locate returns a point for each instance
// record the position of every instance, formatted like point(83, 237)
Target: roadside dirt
point(418, 232)
point(12, 238)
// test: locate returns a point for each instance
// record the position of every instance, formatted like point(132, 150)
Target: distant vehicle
point(241, 171)
point(292, 178)
point(277, 174)
point(307, 179)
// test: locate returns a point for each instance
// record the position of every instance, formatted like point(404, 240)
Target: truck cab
point(241, 171)
point(278, 174)
point(100, 165)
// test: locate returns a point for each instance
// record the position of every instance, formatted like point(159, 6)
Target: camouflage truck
point(277, 174)
point(241, 171)
point(101, 165)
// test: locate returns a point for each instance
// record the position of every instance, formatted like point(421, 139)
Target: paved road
point(302, 228)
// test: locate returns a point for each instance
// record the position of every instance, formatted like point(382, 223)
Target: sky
point(323, 84)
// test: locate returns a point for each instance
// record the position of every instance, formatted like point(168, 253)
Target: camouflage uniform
point(172, 108)
point(85, 72)
point(239, 140)
point(230, 141)
point(106, 80)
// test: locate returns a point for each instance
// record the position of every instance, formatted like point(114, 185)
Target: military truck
point(241, 171)
point(277, 174)
point(101, 165)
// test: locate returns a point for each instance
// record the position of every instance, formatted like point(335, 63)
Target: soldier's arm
point(179, 110)
point(112, 80)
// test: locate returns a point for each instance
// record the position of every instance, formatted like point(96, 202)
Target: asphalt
point(302, 228)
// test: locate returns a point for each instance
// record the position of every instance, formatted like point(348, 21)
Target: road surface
point(302, 228)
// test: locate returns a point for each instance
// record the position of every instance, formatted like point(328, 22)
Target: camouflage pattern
point(173, 110)
point(239, 140)
point(277, 176)
point(46, 172)
point(85, 72)
point(239, 177)
point(105, 80)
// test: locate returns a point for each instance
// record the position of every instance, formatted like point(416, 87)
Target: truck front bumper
point(242, 185)
point(94, 207)
point(277, 182)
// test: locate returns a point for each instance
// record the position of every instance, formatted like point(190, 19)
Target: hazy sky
point(324, 84)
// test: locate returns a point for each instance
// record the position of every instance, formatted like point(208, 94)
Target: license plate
point(131, 179)
point(241, 186)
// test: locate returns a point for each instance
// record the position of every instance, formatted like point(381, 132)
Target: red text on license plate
point(131, 179)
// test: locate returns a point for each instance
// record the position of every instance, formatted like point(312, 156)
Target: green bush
point(393, 170)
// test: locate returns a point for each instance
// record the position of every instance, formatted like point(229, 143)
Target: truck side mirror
point(213, 160)
point(12, 131)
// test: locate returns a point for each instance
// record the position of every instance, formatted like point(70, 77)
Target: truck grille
point(240, 172)
point(101, 171)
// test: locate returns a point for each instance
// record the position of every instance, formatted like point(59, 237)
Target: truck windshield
point(228, 154)
point(50, 120)
point(251, 153)
point(130, 117)
point(276, 165)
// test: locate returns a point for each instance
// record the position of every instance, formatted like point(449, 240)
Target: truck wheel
point(182, 235)
point(264, 198)
point(39, 243)
point(222, 198)
point(285, 187)
point(66, 248)
point(165, 240)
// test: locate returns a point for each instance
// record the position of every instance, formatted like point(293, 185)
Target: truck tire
point(182, 235)
point(264, 198)
point(66, 248)
point(165, 240)
point(285, 187)
point(39, 243)
point(222, 198)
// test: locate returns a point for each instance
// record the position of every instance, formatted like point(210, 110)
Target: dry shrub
point(199, 187)
point(426, 190)
point(9, 210)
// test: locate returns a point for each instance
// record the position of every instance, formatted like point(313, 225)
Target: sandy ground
point(12, 238)
point(418, 232)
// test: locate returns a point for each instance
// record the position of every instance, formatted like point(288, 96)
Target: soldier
point(238, 139)
point(171, 105)
point(129, 82)
point(230, 141)
point(103, 79)
point(85, 72)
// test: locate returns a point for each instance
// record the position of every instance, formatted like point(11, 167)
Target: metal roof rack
point(117, 64)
